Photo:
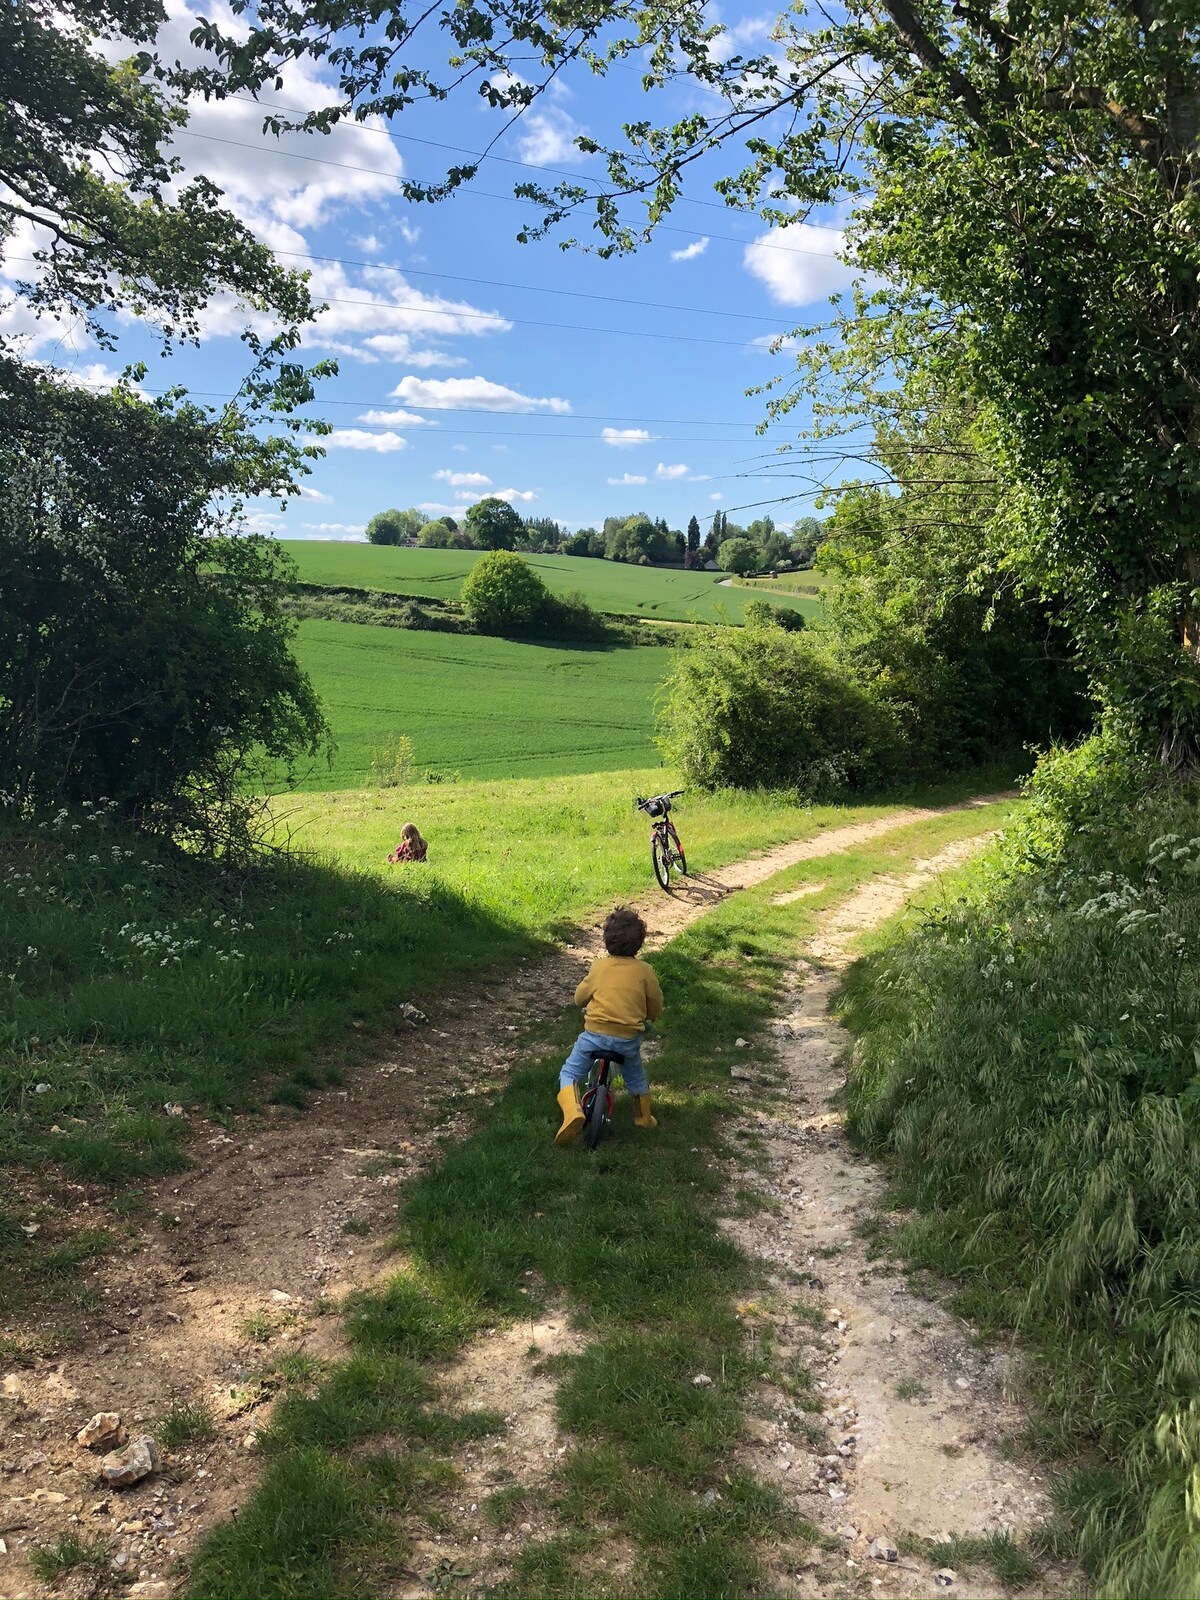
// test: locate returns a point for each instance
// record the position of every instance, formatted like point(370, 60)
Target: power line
point(487, 194)
point(528, 288)
point(572, 416)
point(497, 317)
point(812, 451)
point(486, 155)
point(533, 322)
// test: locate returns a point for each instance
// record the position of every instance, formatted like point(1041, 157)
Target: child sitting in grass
point(620, 995)
point(411, 847)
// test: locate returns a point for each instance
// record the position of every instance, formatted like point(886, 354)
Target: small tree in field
point(493, 524)
point(503, 594)
point(392, 527)
point(739, 556)
point(437, 536)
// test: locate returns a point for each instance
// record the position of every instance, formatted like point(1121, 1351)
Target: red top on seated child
point(411, 847)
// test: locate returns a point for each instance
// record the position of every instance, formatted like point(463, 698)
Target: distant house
point(711, 566)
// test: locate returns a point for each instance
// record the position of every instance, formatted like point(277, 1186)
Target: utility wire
point(529, 288)
point(488, 194)
point(486, 155)
point(505, 321)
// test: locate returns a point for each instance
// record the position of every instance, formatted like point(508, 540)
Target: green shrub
point(146, 654)
point(758, 708)
point(762, 614)
point(569, 616)
point(392, 763)
point(503, 594)
point(739, 556)
point(1029, 1055)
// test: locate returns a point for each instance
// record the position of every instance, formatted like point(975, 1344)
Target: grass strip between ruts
point(628, 1240)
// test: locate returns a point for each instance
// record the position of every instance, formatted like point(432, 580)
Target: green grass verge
point(1027, 1055)
point(809, 584)
point(135, 978)
point(508, 1225)
point(541, 853)
point(478, 707)
point(613, 587)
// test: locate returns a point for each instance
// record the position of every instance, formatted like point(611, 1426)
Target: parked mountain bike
point(666, 852)
point(596, 1101)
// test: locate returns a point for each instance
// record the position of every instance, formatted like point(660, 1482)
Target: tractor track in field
point(270, 1222)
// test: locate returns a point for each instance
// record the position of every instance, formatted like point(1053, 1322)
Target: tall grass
point(1029, 1054)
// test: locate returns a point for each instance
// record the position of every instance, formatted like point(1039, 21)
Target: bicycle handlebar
point(650, 800)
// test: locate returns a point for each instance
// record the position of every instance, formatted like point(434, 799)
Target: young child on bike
point(620, 995)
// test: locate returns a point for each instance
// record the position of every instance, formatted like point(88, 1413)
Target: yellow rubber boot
point(641, 1112)
point(572, 1112)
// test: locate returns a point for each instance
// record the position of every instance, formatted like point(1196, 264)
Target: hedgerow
point(1029, 1056)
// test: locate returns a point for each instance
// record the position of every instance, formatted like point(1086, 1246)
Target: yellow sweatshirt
point(621, 995)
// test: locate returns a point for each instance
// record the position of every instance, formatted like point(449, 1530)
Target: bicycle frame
point(599, 1084)
point(666, 848)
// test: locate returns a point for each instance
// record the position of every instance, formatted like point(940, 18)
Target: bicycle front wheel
point(594, 1126)
point(660, 854)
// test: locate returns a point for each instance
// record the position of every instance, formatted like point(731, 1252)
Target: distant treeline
point(493, 524)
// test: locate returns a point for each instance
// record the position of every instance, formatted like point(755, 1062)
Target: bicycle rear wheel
point(660, 854)
point(680, 858)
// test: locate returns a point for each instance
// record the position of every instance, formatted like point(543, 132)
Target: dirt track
point(259, 1228)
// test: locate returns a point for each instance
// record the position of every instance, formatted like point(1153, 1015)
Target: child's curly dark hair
point(624, 932)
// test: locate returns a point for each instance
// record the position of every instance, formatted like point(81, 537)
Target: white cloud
point(94, 375)
point(691, 251)
point(502, 82)
point(437, 508)
point(468, 497)
point(751, 33)
point(462, 480)
point(624, 438)
point(318, 495)
point(461, 448)
point(276, 187)
point(339, 347)
point(399, 347)
point(257, 170)
point(625, 480)
point(473, 393)
point(359, 439)
point(771, 342)
point(547, 138)
point(793, 278)
point(716, 497)
point(346, 529)
point(396, 419)
point(665, 473)
point(263, 522)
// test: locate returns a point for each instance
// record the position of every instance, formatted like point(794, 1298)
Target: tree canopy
point(493, 524)
point(394, 526)
point(143, 648)
point(1020, 182)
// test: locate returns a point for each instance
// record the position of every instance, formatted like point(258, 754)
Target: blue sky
point(471, 364)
